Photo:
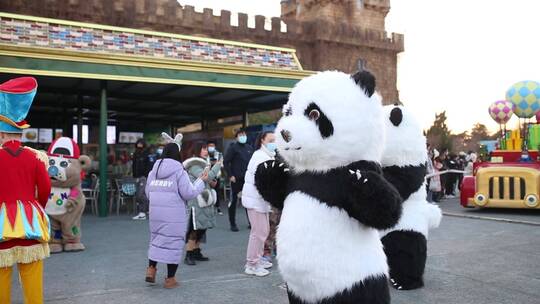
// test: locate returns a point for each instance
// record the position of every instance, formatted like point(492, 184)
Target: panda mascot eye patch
point(314, 113)
point(396, 116)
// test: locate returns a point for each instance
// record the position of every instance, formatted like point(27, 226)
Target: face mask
point(211, 149)
point(242, 139)
point(159, 151)
point(271, 146)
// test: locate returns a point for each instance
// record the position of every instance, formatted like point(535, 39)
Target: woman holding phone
point(168, 188)
point(201, 208)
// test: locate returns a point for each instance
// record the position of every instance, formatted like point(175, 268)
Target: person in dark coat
point(236, 161)
point(141, 160)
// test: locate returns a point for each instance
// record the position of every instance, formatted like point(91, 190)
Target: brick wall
point(336, 40)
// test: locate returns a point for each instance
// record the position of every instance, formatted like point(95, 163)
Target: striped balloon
point(501, 111)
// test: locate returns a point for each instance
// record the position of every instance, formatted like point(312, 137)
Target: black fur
point(326, 128)
point(366, 81)
point(374, 203)
point(396, 116)
point(370, 291)
point(407, 180)
point(406, 252)
point(271, 182)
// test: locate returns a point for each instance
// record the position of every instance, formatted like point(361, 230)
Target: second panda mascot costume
point(404, 165)
point(330, 188)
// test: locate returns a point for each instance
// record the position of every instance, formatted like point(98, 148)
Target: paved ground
point(470, 261)
point(525, 216)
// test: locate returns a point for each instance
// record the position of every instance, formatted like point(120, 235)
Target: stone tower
point(369, 14)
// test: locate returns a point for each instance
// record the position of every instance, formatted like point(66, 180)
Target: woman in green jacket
point(201, 209)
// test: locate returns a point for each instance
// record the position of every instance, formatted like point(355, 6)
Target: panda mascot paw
point(271, 180)
point(374, 202)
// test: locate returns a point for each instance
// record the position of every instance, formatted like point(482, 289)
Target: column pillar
point(80, 123)
point(103, 151)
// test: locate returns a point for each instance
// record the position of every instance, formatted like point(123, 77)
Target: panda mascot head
point(405, 143)
point(323, 127)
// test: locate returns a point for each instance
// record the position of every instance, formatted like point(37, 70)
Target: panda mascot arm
point(372, 200)
point(271, 180)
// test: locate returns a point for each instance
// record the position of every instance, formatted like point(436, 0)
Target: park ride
point(510, 177)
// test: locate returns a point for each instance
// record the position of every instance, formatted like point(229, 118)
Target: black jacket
point(141, 163)
point(236, 159)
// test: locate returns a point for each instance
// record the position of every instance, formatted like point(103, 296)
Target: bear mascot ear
point(85, 162)
point(366, 81)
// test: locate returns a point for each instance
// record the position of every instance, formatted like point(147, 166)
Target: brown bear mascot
point(66, 202)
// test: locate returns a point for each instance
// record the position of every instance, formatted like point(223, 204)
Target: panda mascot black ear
point(366, 81)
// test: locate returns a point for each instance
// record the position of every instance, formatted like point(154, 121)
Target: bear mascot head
point(66, 202)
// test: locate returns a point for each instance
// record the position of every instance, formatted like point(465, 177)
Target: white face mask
point(211, 149)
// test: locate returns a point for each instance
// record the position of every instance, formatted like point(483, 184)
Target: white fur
point(323, 251)
point(177, 139)
point(357, 121)
point(405, 144)
point(417, 215)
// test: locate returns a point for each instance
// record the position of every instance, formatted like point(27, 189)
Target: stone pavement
point(524, 216)
point(470, 261)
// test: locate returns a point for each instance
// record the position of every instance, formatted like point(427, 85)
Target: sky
point(460, 55)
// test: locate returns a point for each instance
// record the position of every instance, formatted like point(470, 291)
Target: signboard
point(130, 137)
point(58, 133)
point(45, 135)
point(84, 134)
point(30, 135)
point(111, 135)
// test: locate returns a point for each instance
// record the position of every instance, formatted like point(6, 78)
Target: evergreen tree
point(438, 134)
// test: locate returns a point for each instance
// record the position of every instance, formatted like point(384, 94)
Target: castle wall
point(320, 43)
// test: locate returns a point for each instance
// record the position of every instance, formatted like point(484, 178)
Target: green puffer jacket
point(204, 217)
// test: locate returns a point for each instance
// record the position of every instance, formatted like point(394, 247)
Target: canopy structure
point(135, 76)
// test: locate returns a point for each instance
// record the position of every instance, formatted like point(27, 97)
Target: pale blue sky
point(460, 55)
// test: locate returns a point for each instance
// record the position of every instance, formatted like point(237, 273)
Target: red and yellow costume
point(24, 191)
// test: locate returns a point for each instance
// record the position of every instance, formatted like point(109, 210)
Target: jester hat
point(16, 96)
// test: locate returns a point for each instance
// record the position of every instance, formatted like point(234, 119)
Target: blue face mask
point(242, 139)
point(211, 149)
point(271, 146)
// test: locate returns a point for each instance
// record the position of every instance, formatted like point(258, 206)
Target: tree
point(479, 132)
point(438, 135)
point(460, 142)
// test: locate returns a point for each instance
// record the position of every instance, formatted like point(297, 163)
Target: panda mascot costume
point(404, 166)
point(331, 191)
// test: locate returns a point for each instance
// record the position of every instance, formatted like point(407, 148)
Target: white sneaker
point(140, 216)
point(265, 264)
point(256, 271)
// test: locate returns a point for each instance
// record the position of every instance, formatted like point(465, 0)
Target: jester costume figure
point(24, 190)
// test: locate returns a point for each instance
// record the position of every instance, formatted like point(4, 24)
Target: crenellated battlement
point(327, 34)
point(169, 16)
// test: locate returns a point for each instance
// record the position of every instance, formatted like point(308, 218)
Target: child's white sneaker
point(256, 271)
point(140, 216)
point(265, 264)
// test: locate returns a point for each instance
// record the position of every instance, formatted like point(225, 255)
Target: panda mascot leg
point(404, 167)
point(406, 252)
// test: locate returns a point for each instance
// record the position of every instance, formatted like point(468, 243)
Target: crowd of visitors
point(443, 184)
